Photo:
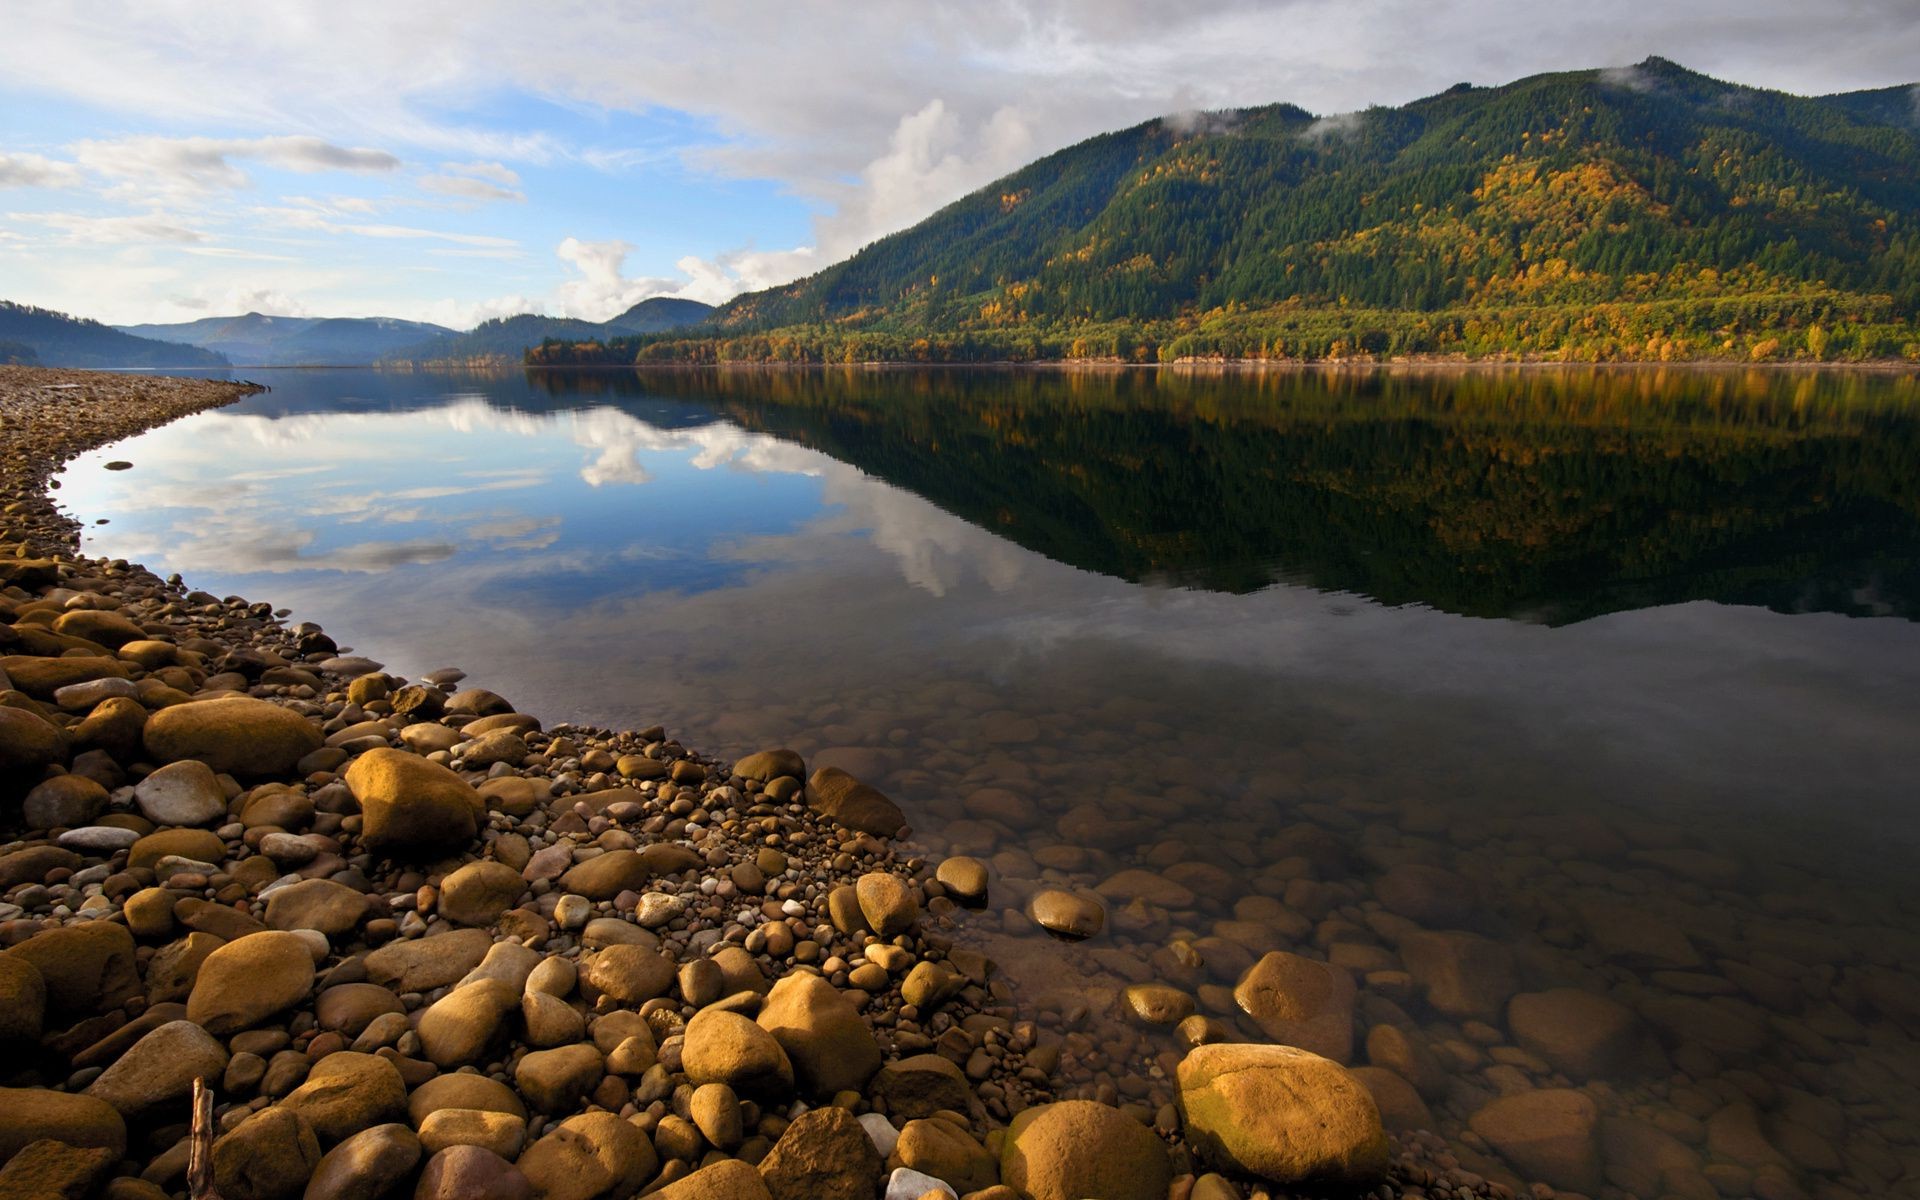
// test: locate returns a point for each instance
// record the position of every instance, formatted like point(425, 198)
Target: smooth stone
point(818, 1027)
point(423, 964)
point(502, 1133)
point(1282, 1113)
point(244, 982)
point(477, 893)
point(725, 1047)
point(847, 802)
point(1066, 914)
point(181, 793)
point(1548, 1135)
point(593, 1156)
point(347, 1092)
point(1076, 1148)
point(233, 735)
point(333, 909)
point(99, 839)
point(87, 968)
point(28, 1115)
point(160, 1068)
point(1300, 1002)
point(411, 805)
point(63, 802)
point(887, 903)
point(367, 1166)
point(471, 1173)
point(269, 1156)
point(825, 1154)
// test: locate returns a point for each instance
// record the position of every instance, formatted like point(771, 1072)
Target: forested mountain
point(506, 339)
point(257, 340)
point(52, 339)
point(1650, 212)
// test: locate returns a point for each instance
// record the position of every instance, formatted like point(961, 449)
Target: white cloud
point(204, 163)
point(465, 187)
point(81, 229)
point(300, 218)
point(33, 170)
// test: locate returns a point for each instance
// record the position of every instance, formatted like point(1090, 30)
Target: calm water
point(1585, 640)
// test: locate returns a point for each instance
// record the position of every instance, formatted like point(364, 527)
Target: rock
point(348, 1008)
point(1547, 1135)
point(825, 1154)
point(964, 878)
point(502, 1133)
point(549, 1020)
point(769, 765)
point(195, 845)
point(63, 802)
point(410, 805)
point(847, 802)
point(29, 1114)
point(725, 1047)
point(928, 985)
point(1282, 1113)
point(1077, 1148)
point(160, 1068)
point(86, 968)
point(715, 1111)
point(594, 1156)
point(347, 1092)
point(366, 1166)
point(28, 743)
point(908, 1184)
point(42, 677)
point(1158, 1004)
point(181, 793)
point(479, 892)
point(887, 903)
point(459, 1027)
point(505, 960)
point(23, 1001)
point(1580, 1034)
point(947, 1152)
point(1638, 937)
point(422, 964)
point(234, 735)
point(920, 1086)
point(498, 746)
point(51, 1170)
point(243, 983)
point(1462, 974)
point(1433, 896)
point(607, 875)
point(172, 970)
point(33, 864)
point(320, 904)
point(471, 1173)
point(830, 1047)
point(462, 1090)
point(268, 1156)
point(478, 701)
point(1066, 914)
point(631, 975)
point(1399, 1102)
point(555, 1081)
point(728, 1179)
point(100, 626)
point(1300, 1002)
point(102, 840)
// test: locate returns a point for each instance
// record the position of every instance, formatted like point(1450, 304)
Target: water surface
point(1591, 641)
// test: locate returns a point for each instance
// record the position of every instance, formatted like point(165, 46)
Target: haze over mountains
point(1648, 212)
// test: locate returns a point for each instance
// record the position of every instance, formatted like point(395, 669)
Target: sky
point(167, 160)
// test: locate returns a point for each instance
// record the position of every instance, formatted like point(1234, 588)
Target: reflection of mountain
point(1553, 495)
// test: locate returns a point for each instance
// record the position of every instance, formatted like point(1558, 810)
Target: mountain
point(256, 340)
point(53, 339)
point(507, 339)
point(1647, 212)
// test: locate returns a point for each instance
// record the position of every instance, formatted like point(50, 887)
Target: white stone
point(881, 1130)
point(77, 697)
point(104, 839)
point(182, 793)
point(657, 909)
point(908, 1184)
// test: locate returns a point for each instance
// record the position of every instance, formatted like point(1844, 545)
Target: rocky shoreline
point(415, 942)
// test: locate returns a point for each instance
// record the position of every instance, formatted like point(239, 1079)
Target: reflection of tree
point(1556, 494)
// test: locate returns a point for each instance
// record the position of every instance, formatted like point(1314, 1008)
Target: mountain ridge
point(1648, 212)
point(43, 337)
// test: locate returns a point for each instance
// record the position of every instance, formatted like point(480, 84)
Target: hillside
point(1649, 213)
point(256, 340)
point(506, 339)
point(52, 339)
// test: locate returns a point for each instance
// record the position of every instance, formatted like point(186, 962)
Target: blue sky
point(173, 159)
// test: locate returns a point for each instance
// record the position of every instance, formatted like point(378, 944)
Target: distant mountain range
point(508, 338)
point(256, 340)
point(42, 337)
point(1638, 213)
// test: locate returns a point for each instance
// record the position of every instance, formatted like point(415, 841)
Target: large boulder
point(725, 1047)
point(825, 1154)
point(594, 1156)
point(847, 802)
point(1549, 1135)
point(1282, 1113)
point(367, 1166)
point(28, 743)
point(23, 1000)
point(29, 1114)
point(939, 1147)
point(769, 765)
point(244, 982)
point(728, 1179)
point(1300, 1002)
point(42, 677)
point(1077, 1148)
point(471, 1173)
point(459, 1027)
point(268, 1156)
point(160, 1069)
point(434, 961)
point(410, 805)
point(831, 1048)
point(347, 1092)
point(86, 968)
point(235, 735)
point(631, 975)
point(50, 1170)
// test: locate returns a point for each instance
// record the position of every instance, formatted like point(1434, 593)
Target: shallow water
point(1630, 655)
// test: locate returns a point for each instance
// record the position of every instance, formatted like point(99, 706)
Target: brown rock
point(28, 1115)
point(479, 892)
point(159, 1069)
point(462, 1090)
point(1077, 1148)
point(725, 1047)
point(769, 765)
point(1066, 914)
point(28, 743)
point(946, 1151)
point(887, 903)
point(23, 1000)
point(1282, 1113)
point(631, 975)
point(847, 802)
point(235, 735)
point(1548, 1135)
point(594, 1156)
point(422, 964)
point(607, 875)
point(471, 1173)
point(555, 1081)
point(825, 1154)
point(459, 1027)
point(268, 1156)
point(367, 1166)
point(1580, 1034)
point(831, 1048)
point(243, 983)
point(410, 805)
point(728, 1179)
point(321, 904)
point(51, 1170)
point(1300, 1002)
point(87, 968)
point(348, 1092)
point(1462, 974)
point(920, 1086)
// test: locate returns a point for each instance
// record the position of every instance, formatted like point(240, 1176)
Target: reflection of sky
point(596, 566)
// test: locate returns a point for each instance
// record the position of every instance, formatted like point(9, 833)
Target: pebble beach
point(416, 942)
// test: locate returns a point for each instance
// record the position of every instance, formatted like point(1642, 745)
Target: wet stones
point(1077, 1148)
point(410, 805)
point(847, 802)
point(769, 765)
point(1283, 1114)
point(234, 735)
point(887, 903)
point(244, 982)
point(1547, 1135)
point(1066, 914)
point(1461, 974)
point(1581, 1034)
point(1300, 1002)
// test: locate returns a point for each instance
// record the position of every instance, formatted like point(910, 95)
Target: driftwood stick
point(200, 1145)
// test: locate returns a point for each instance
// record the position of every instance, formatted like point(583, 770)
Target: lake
point(1558, 681)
